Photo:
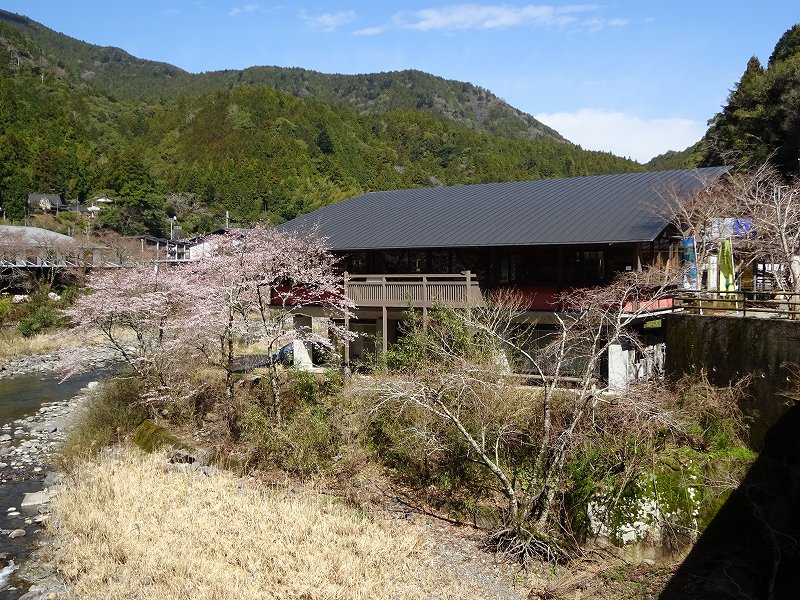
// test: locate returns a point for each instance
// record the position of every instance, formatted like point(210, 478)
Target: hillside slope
point(115, 72)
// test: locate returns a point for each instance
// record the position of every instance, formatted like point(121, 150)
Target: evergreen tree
point(787, 46)
point(761, 120)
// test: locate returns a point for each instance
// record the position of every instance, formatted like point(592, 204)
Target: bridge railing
point(783, 305)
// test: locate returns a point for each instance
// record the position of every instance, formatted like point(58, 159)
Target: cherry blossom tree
point(141, 315)
point(160, 319)
point(254, 285)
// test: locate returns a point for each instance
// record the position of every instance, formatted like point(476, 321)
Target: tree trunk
point(276, 391)
point(229, 368)
point(794, 301)
point(227, 349)
point(508, 486)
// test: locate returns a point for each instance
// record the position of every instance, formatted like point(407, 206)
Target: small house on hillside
point(46, 202)
point(202, 246)
point(541, 238)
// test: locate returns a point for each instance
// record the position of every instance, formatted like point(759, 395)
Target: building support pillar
point(617, 367)
point(301, 349)
point(346, 350)
point(384, 331)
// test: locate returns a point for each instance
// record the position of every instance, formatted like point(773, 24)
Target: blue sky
point(634, 77)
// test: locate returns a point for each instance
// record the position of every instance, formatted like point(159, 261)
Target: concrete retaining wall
point(730, 347)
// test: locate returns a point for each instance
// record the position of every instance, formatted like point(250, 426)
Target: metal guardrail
point(245, 363)
point(785, 305)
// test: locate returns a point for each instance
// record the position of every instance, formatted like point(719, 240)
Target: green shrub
point(6, 309)
point(311, 389)
point(68, 295)
point(304, 443)
point(308, 437)
point(40, 314)
point(305, 387)
point(42, 318)
point(111, 413)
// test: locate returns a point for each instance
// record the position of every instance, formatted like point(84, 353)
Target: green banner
point(727, 277)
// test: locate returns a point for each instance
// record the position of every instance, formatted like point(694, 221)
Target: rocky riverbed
point(97, 357)
point(27, 446)
point(28, 443)
point(44, 363)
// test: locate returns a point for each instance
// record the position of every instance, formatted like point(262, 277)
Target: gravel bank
point(51, 363)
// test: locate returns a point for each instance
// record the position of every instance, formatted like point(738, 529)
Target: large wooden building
point(543, 237)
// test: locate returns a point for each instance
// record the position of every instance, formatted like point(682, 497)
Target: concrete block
point(35, 498)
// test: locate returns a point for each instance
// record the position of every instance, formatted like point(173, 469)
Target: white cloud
point(473, 16)
point(247, 8)
point(477, 16)
point(624, 134)
point(598, 23)
point(371, 30)
point(328, 21)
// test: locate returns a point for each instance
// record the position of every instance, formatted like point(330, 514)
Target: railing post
point(346, 325)
point(468, 276)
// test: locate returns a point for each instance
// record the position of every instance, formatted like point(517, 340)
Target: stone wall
point(730, 347)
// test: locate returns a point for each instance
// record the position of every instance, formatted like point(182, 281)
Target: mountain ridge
point(118, 73)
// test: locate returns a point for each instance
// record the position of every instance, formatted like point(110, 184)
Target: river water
point(21, 396)
point(24, 394)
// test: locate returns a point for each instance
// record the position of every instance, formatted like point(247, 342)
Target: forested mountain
point(672, 159)
point(114, 72)
point(761, 119)
point(251, 150)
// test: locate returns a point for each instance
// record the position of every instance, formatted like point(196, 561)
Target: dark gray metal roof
point(54, 199)
point(577, 210)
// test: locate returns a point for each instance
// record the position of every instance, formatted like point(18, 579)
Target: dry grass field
point(13, 345)
point(124, 527)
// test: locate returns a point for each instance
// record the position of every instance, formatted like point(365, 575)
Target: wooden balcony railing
point(420, 291)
